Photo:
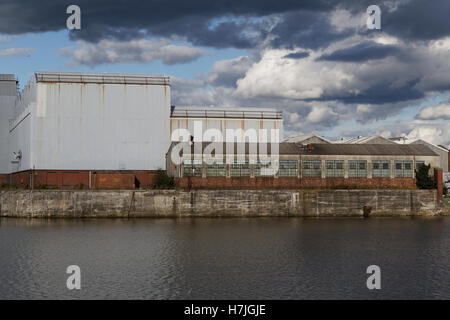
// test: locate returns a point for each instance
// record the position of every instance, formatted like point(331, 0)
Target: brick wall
point(292, 182)
point(4, 179)
point(81, 179)
point(114, 181)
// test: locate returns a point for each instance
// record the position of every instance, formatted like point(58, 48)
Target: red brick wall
point(4, 179)
point(61, 179)
point(114, 181)
point(71, 179)
point(146, 178)
point(292, 182)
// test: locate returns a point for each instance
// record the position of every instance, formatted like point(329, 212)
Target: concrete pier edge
point(218, 203)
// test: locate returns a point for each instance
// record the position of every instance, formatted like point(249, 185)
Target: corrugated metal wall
point(7, 100)
point(91, 126)
point(223, 124)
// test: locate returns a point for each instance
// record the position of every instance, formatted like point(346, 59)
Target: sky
point(315, 60)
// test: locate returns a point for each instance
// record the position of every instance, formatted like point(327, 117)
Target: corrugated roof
point(224, 112)
point(110, 78)
point(372, 149)
point(423, 142)
point(300, 138)
point(360, 140)
point(290, 148)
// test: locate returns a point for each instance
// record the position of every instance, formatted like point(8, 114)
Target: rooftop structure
point(368, 139)
point(242, 123)
point(307, 139)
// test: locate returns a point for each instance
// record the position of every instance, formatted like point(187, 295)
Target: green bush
point(7, 186)
point(45, 187)
point(423, 180)
point(163, 181)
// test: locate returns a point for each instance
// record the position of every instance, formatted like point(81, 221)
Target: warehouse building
point(223, 124)
point(84, 129)
point(295, 165)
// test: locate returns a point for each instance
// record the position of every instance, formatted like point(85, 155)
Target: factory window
point(288, 168)
point(263, 169)
point(216, 170)
point(311, 168)
point(381, 168)
point(403, 169)
point(419, 164)
point(334, 168)
point(357, 168)
point(240, 168)
point(192, 168)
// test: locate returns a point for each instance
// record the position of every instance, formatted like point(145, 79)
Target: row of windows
point(310, 168)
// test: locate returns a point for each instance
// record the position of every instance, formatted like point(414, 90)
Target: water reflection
point(257, 258)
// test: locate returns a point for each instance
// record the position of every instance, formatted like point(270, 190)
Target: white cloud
point(15, 52)
point(133, 51)
point(434, 134)
point(441, 111)
point(320, 114)
point(274, 76)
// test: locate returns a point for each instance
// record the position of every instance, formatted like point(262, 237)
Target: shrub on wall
point(423, 179)
point(163, 181)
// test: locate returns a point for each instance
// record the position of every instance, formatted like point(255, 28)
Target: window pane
point(288, 168)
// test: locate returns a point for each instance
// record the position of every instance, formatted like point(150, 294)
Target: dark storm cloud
point(303, 23)
point(124, 19)
point(297, 55)
point(384, 92)
point(307, 29)
point(361, 52)
point(419, 20)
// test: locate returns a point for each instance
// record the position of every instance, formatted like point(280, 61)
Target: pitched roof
point(292, 148)
point(372, 149)
point(423, 142)
point(300, 138)
point(360, 140)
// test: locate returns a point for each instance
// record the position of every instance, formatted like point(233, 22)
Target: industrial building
point(238, 124)
point(84, 129)
point(296, 165)
point(99, 130)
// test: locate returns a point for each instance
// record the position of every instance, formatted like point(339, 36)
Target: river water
point(225, 258)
